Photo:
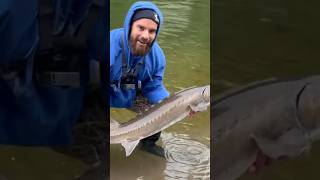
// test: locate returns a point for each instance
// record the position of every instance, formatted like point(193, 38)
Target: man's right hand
point(140, 105)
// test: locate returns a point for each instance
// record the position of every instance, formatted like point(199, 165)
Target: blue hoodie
point(151, 73)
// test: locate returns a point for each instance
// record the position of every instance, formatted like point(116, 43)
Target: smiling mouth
point(142, 43)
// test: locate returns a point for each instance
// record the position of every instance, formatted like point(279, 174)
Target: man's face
point(143, 32)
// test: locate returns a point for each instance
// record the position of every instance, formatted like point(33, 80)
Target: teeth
point(142, 42)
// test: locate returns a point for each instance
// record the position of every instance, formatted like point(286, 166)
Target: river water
point(257, 40)
point(185, 40)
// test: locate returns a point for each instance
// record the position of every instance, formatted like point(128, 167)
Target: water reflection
point(186, 158)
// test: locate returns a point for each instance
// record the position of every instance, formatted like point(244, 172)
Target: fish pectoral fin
point(129, 146)
point(291, 144)
point(199, 107)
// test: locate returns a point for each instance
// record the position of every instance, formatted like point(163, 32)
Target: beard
point(139, 47)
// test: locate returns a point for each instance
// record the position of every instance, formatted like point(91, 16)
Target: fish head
point(206, 94)
point(309, 106)
point(200, 99)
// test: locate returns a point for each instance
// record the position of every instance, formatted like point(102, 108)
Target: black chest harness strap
point(129, 77)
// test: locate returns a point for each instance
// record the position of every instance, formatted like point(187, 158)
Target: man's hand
point(140, 105)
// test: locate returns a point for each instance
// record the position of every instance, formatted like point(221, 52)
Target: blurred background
point(257, 40)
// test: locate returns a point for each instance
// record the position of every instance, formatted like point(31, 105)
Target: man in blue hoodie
point(137, 63)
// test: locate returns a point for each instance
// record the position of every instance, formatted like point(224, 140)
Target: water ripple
point(177, 18)
point(186, 158)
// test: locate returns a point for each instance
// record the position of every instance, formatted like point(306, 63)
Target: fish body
point(279, 118)
point(159, 117)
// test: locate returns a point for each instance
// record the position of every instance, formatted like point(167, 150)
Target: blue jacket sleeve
point(154, 89)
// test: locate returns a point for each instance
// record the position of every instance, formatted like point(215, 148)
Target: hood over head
point(140, 5)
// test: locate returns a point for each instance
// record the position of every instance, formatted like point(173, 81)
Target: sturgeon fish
point(159, 117)
point(279, 119)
